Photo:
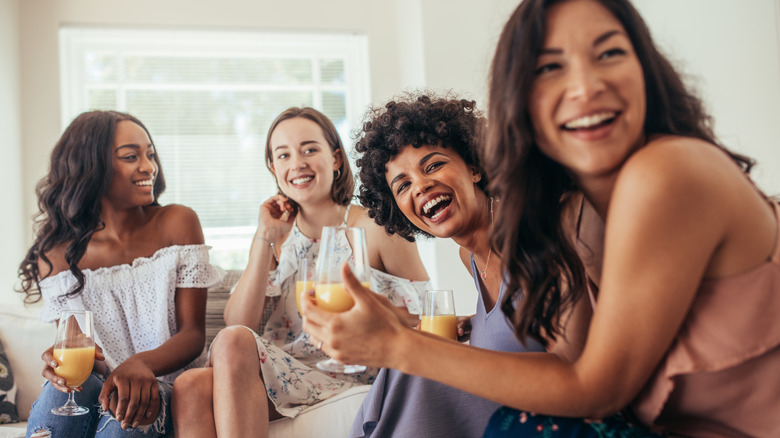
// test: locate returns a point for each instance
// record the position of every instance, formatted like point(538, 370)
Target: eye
point(282, 156)
point(128, 158)
point(433, 166)
point(612, 53)
point(151, 155)
point(402, 187)
point(547, 68)
point(310, 150)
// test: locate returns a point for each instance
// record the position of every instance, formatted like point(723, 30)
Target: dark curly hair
point(415, 119)
point(540, 260)
point(80, 173)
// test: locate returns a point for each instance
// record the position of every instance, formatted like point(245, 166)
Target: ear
point(338, 159)
point(272, 167)
point(475, 175)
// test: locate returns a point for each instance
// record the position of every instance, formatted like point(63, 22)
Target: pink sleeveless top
point(721, 376)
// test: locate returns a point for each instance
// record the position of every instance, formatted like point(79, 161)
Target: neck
point(598, 191)
point(312, 218)
point(121, 223)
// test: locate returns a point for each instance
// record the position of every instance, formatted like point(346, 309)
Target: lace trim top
point(133, 304)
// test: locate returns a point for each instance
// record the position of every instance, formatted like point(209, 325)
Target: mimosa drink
point(301, 286)
point(75, 364)
point(333, 297)
point(442, 325)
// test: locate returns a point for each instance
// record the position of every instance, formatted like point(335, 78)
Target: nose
point(584, 81)
point(148, 165)
point(421, 185)
point(299, 161)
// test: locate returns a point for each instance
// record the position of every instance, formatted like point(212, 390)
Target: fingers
point(139, 411)
point(106, 395)
point(48, 373)
point(99, 353)
point(352, 284)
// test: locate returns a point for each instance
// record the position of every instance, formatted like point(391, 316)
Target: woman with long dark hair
point(103, 243)
point(611, 184)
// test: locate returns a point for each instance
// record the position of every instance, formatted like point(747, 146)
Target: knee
point(235, 347)
point(192, 384)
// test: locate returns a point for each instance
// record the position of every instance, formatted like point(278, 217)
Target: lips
point(145, 183)
point(301, 180)
point(433, 208)
point(591, 121)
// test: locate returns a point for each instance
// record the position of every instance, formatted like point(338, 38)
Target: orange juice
point(75, 364)
point(442, 325)
point(301, 286)
point(333, 297)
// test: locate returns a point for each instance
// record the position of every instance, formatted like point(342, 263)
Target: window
point(208, 99)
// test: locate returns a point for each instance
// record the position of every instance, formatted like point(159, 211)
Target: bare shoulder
point(358, 217)
point(679, 169)
point(58, 264)
point(178, 225)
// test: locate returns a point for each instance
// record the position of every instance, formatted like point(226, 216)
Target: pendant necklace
point(490, 248)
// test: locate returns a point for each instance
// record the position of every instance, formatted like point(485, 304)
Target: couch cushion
point(7, 390)
point(25, 338)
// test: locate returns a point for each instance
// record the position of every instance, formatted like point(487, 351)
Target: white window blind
point(207, 98)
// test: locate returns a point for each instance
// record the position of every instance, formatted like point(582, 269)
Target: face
point(303, 161)
point(588, 98)
point(133, 164)
point(436, 190)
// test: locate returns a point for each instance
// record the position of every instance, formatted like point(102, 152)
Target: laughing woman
point(104, 244)
point(677, 247)
point(256, 377)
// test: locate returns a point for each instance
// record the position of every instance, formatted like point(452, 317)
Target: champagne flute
point(329, 287)
point(74, 351)
point(303, 281)
point(438, 314)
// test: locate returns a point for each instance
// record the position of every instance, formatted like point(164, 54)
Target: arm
point(131, 390)
point(657, 251)
point(245, 305)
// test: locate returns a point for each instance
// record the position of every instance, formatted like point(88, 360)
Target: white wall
point(731, 52)
point(13, 218)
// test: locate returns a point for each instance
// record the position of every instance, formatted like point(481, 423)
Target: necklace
point(490, 248)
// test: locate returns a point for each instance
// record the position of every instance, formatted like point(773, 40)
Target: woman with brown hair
point(252, 378)
point(676, 247)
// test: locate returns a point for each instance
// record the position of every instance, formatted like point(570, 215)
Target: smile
point(435, 206)
point(145, 183)
point(301, 180)
point(591, 121)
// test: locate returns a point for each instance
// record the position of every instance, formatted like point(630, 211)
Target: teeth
point(302, 180)
point(433, 202)
point(588, 121)
point(147, 182)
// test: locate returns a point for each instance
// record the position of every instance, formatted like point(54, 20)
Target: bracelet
point(273, 247)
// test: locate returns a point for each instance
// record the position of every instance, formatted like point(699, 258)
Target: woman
point(684, 295)
point(420, 175)
point(104, 243)
point(253, 379)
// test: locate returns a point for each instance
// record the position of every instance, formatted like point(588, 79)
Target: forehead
point(295, 130)
point(128, 132)
point(578, 21)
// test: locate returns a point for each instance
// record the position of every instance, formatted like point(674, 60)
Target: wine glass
point(329, 287)
point(74, 351)
point(438, 314)
point(304, 280)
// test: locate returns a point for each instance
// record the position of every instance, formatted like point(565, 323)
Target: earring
point(337, 174)
point(477, 177)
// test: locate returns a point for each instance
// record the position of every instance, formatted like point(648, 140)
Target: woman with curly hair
point(252, 377)
point(678, 249)
point(420, 176)
point(104, 243)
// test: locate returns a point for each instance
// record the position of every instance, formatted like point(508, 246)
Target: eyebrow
point(303, 143)
point(132, 146)
point(603, 37)
point(422, 161)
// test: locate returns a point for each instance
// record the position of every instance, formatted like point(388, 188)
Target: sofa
point(24, 338)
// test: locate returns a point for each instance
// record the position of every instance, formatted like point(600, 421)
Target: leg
point(42, 423)
point(240, 399)
point(192, 404)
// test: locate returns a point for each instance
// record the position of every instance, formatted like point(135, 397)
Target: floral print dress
point(287, 356)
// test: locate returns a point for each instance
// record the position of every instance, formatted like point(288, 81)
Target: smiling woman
point(104, 244)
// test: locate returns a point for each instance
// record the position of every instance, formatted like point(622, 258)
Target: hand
point(464, 328)
point(50, 363)
point(406, 318)
point(131, 394)
point(362, 335)
point(276, 217)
